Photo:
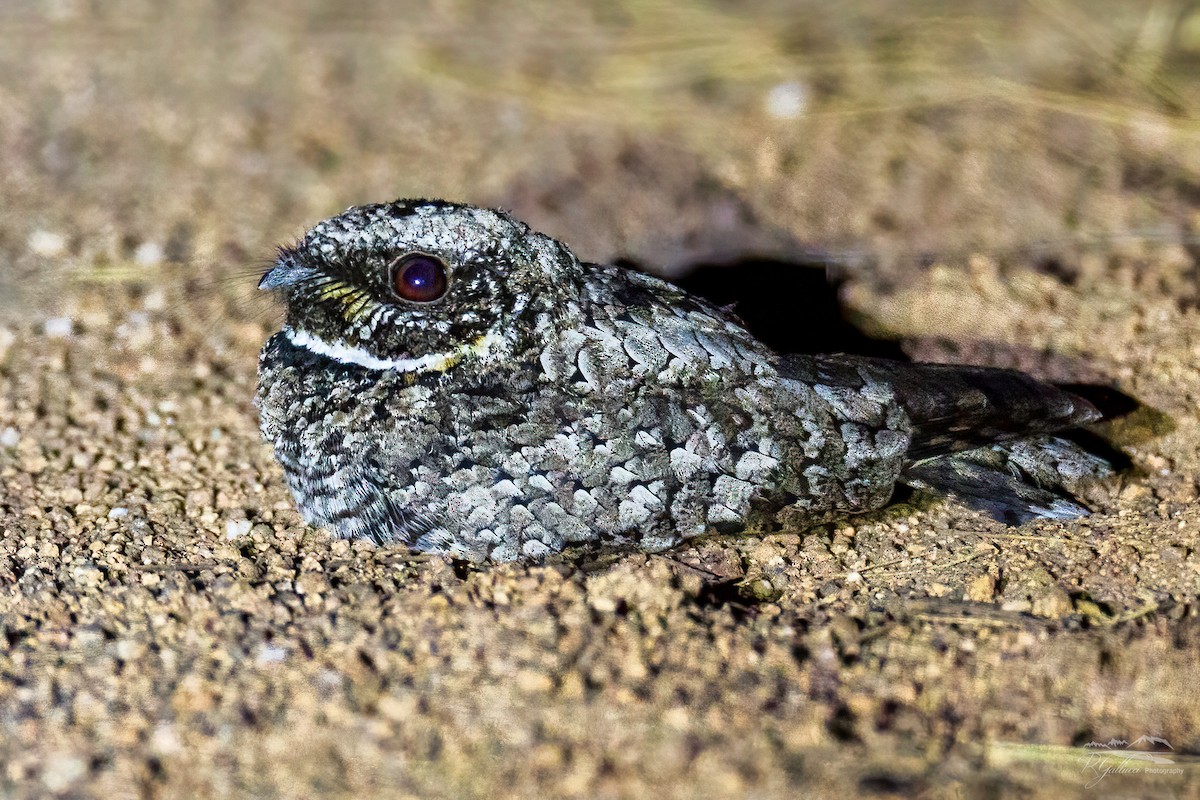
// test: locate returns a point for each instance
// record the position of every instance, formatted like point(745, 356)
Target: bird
point(450, 380)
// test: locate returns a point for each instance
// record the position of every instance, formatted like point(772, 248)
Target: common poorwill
point(449, 379)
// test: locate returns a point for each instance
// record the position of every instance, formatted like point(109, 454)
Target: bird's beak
point(285, 273)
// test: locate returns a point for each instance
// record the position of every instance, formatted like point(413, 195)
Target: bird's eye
point(419, 278)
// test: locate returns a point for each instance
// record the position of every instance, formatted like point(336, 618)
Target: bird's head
point(421, 285)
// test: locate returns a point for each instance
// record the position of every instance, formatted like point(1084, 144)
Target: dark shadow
point(792, 306)
point(795, 307)
point(1110, 402)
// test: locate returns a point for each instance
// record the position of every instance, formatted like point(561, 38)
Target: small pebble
point(787, 100)
point(148, 254)
point(165, 741)
point(58, 327)
point(155, 300)
point(61, 771)
point(271, 654)
point(46, 243)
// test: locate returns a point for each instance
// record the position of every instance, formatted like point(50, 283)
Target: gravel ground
point(1019, 190)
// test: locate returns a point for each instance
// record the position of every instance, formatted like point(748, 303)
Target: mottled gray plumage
point(544, 403)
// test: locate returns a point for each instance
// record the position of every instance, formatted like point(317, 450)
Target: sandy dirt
point(1012, 186)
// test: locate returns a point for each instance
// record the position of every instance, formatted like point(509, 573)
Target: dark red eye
point(419, 278)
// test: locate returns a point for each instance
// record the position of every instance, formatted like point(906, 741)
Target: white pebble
point(155, 300)
point(237, 527)
point(118, 513)
point(9, 437)
point(270, 654)
point(787, 100)
point(165, 741)
point(58, 327)
point(46, 243)
point(148, 254)
point(60, 771)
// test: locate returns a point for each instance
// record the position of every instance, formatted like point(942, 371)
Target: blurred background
point(880, 134)
point(1011, 182)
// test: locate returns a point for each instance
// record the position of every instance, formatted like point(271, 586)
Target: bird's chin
point(353, 354)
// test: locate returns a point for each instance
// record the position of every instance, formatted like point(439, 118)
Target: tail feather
point(1014, 482)
point(1020, 473)
point(954, 408)
point(979, 434)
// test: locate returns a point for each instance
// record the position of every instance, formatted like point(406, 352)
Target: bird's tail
point(985, 436)
point(1014, 481)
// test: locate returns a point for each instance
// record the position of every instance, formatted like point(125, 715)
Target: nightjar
point(449, 379)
